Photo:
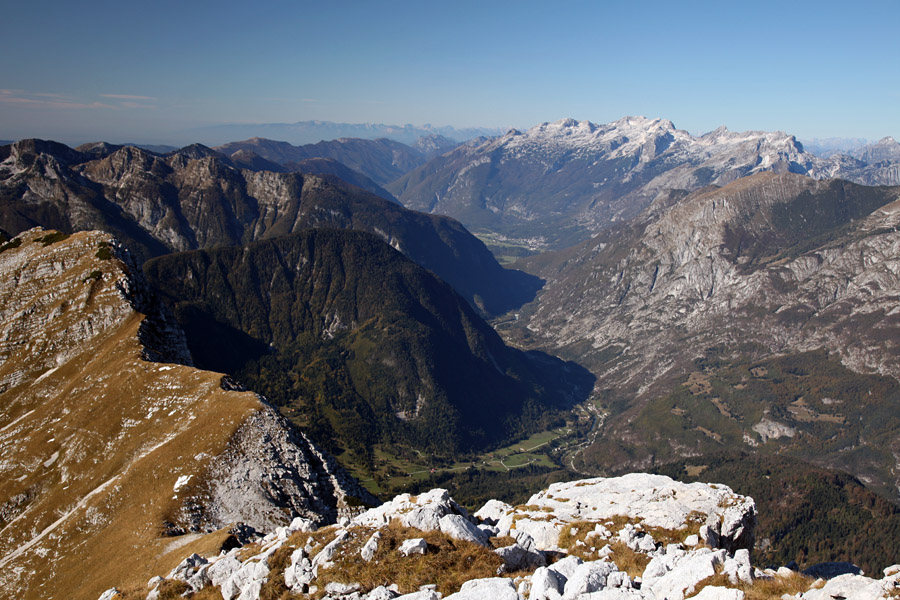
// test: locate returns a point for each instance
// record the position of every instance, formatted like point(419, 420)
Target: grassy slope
point(87, 475)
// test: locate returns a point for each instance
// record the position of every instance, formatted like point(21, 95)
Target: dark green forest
point(806, 514)
point(361, 346)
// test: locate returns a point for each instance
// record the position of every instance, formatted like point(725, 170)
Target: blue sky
point(149, 71)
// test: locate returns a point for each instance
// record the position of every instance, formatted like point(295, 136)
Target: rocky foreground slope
point(637, 537)
point(116, 455)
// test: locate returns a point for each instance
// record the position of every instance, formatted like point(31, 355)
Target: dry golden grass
point(760, 589)
point(625, 558)
point(132, 593)
point(90, 416)
point(628, 560)
point(572, 533)
point(173, 590)
point(580, 530)
point(501, 541)
point(274, 587)
point(447, 563)
point(695, 521)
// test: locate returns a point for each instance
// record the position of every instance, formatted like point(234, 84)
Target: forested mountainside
point(557, 184)
point(807, 515)
point(760, 314)
point(361, 345)
point(117, 453)
point(194, 198)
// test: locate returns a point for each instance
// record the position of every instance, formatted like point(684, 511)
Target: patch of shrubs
point(52, 238)
point(13, 243)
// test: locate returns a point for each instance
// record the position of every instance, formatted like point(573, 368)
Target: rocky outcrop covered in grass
point(637, 537)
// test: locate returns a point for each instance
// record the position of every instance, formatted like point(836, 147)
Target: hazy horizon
point(125, 72)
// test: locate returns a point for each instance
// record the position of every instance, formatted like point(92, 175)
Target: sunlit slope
point(104, 456)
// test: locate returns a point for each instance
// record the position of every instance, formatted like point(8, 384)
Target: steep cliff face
point(767, 266)
point(756, 250)
point(196, 198)
point(104, 448)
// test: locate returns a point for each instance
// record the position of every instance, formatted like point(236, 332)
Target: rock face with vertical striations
point(115, 450)
point(758, 314)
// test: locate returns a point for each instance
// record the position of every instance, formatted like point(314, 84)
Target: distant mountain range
point(310, 132)
point(826, 147)
point(381, 160)
point(558, 183)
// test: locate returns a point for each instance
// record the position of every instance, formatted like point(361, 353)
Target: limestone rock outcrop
point(723, 519)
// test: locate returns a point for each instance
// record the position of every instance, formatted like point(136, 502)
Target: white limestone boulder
point(493, 511)
point(413, 546)
point(422, 512)
point(299, 572)
point(381, 593)
point(367, 552)
point(728, 519)
point(853, 587)
point(713, 592)
point(459, 528)
point(517, 558)
point(738, 567)
point(675, 574)
point(420, 595)
point(492, 588)
point(616, 594)
point(246, 581)
point(587, 577)
point(546, 584)
point(224, 568)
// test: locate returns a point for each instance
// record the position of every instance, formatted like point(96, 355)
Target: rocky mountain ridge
point(195, 198)
point(557, 183)
point(382, 160)
point(116, 451)
point(885, 149)
point(636, 537)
